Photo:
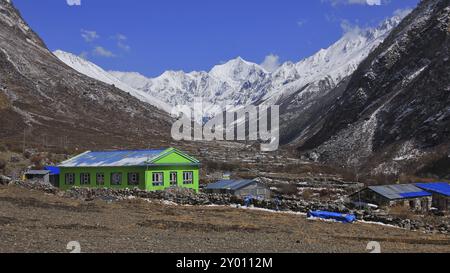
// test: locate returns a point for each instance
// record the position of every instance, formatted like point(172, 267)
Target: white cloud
point(353, 29)
point(84, 55)
point(89, 35)
point(402, 13)
point(103, 52)
point(271, 63)
point(73, 2)
point(121, 42)
point(349, 28)
point(301, 22)
point(357, 2)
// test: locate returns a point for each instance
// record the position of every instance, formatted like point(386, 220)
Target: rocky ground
point(45, 221)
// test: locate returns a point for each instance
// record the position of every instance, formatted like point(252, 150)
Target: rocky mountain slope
point(91, 70)
point(394, 111)
point(42, 100)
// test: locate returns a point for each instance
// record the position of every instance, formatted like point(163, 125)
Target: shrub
point(27, 154)
point(37, 161)
point(401, 211)
point(324, 193)
point(3, 148)
point(289, 189)
point(307, 194)
point(3, 164)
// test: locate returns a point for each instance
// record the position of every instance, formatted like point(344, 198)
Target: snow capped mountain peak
point(237, 70)
point(85, 67)
point(59, 52)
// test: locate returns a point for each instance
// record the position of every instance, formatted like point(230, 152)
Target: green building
point(149, 170)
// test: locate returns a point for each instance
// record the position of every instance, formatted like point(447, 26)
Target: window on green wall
point(100, 179)
point(133, 179)
point(70, 179)
point(158, 179)
point(116, 179)
point(85, 179)
point(188, 178)
point(173, 178)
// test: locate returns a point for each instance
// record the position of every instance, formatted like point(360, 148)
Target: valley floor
point(32, 221)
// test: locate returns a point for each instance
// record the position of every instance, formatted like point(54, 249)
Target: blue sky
point(151, 37)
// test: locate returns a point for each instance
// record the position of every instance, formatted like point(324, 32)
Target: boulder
point(5, 180)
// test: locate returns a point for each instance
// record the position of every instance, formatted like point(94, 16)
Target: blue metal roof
point(439, 187)
point(53, 170)
point(394, 192)
point(415, 194)
point(113, 159)
point(230, 184)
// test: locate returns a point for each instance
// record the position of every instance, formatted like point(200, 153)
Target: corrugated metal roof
point(112, 159)
point(37, 172)
point(230, 184)
point(439, 187)
point(400, 191)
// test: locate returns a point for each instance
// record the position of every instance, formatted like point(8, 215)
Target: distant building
point(240, 188)
point(391, 195)
point(54, 175)
point(149, 170)
point(43, 175)
point(440, 192)
point(226, 176)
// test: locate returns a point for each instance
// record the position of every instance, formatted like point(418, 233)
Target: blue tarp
point(53, 170)
point(439, 187)
point(344, 218)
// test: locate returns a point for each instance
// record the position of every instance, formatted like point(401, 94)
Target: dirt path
point(36, 222)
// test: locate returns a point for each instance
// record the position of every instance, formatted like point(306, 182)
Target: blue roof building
point(440, 192)
point(390, 195)
point(150, 170)
point(441, 188)
point(398, 192)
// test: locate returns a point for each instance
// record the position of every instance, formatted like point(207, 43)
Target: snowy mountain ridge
point(91, 70)
point(239, 82)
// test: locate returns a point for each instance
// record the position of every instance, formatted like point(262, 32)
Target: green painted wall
point(167, 170)
point(145, 177)
point(107, 171)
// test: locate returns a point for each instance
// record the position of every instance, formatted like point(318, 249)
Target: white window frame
point(188, 178)
point(85, 179)
point(70, 179)
point(100, 182)
point(133, 179)
point(158, 179)
point(113, 175)
point(173, 180)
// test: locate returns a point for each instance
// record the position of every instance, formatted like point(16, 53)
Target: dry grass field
point(32, 221)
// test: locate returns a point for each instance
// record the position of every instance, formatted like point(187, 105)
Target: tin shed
point(240, 188)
